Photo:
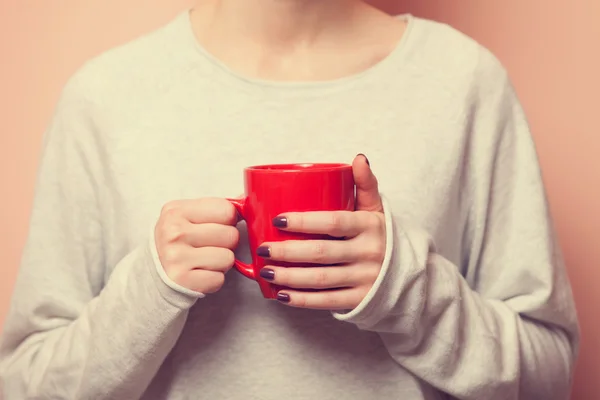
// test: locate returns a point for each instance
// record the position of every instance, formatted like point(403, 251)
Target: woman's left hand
point(351, 265)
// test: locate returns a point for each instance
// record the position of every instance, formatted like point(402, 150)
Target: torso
point(193, 132)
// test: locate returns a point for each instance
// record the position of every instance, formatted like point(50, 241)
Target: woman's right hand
point(195, 240)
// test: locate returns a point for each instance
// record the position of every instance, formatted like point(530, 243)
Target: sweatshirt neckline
point(394, 59)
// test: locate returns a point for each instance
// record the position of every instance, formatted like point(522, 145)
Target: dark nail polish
point(263, 251)
point(283, 297)
point(366, 159)
point(267, 273)
point(280, 222)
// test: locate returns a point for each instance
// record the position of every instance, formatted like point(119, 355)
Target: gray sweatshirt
point(472, 302)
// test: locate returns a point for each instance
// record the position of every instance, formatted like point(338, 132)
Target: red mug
point(272, 190)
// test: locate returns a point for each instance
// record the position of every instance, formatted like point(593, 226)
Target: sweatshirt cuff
point(401, 261)
point(172, 292)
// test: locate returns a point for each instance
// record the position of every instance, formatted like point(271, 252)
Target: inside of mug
point(299, 167)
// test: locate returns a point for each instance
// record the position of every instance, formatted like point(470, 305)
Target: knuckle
point(321, 278)
point(169, 256)
point(335, 222)
point(300, 301)
point(170, 208)
point(172, 231)
point(331, 299)
point(320, 252)
point(172, 214)
point(375, 221)
point(374, 251)
point(348, 277)
point(373, 273)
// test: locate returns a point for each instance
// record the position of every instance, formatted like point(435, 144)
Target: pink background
point(550, 48)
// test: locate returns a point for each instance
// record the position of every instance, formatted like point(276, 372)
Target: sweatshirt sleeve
point(69, 333)
point(502, 325)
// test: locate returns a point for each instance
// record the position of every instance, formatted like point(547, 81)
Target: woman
point(451, 287)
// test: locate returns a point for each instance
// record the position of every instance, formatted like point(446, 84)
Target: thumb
point(367, 189)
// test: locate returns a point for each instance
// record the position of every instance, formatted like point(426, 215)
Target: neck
point(278, 23)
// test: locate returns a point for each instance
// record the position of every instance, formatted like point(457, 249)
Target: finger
point(310, 251)
point(332, 223)
point(202, 281)
point(200, 211)
point(320, 277)
point(341, 299)
point(211, 235)
point(367, 188)
point(208, 258)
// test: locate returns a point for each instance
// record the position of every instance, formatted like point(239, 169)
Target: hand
point(195, 241)
point(356, 260)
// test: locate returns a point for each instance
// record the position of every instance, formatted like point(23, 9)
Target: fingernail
point(280, 222)
point(267, 273)
point(366, 159)
point(263, 251)
point(283, 297)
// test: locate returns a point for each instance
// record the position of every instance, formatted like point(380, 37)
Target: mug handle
point(246, 269)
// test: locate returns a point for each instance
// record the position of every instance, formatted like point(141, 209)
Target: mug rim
point(298, 167)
